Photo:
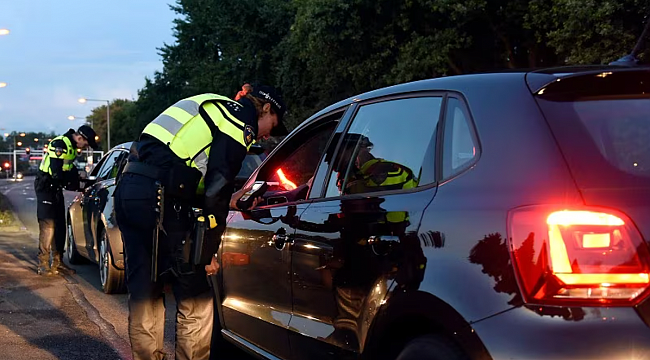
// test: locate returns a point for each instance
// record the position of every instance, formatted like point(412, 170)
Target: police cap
point(89, 134)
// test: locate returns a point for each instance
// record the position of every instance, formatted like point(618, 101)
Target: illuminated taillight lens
point(583, 256)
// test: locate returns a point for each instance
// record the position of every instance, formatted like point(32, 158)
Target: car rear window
point(602, 125)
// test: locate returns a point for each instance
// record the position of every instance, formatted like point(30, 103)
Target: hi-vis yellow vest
point(184, 128)
point(68, 155)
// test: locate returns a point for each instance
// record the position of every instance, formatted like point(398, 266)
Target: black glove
point(72, 179)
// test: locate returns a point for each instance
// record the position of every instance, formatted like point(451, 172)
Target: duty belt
point(143, 169)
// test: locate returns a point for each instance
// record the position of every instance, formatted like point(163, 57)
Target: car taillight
point(578, 257)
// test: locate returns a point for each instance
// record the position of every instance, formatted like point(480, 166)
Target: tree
point(124, 126)
point(322, 51)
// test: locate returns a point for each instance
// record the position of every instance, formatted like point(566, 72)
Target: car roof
point(123, 146)
point(535, 78)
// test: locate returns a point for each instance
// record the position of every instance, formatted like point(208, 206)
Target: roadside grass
point(6, 215)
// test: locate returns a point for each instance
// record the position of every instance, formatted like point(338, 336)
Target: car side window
point(289, 171)
point(291, 178)
point(108, 165)
point(459, 143)
point(100, 163)
point(385, 147)
point(118, 164)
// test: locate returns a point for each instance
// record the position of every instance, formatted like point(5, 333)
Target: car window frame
point(311, 126)
point(122, 162)
point(426, 93)
point(108, 157)
point(440, 146)
point(98, 166)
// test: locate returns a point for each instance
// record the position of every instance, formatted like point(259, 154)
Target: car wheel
point(432, 347)
point(112, 279)
point(71, 247)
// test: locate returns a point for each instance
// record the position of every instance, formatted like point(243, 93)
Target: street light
point(20, 143)
point(3, 84)
point(22, 134)
point(35, 139)
point(73, 118)
point(4, 31)
point(108, 118)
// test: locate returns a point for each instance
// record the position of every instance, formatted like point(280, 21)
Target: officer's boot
point(44, 265)
point(58, 266)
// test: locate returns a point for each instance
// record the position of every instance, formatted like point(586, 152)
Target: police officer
point(56, 172)
point(195, 146)
point(358, 171)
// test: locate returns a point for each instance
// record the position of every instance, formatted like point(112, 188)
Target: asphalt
point(39, 316)
point(58, 317)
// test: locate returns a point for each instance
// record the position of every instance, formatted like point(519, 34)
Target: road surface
point(112, 310)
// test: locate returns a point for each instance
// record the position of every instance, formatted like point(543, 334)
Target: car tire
point(71, 246)
point(432, 347)
point(111, 278)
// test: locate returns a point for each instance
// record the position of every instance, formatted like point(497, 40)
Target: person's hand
point(238, 194)
point(213, 267)
point(256, 202)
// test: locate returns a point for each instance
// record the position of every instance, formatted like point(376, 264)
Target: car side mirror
point(84, 183)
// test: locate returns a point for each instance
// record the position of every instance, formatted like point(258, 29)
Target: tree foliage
point(322, 51)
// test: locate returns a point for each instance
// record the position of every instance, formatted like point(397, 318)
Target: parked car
point(488, 216)
point(92, 232)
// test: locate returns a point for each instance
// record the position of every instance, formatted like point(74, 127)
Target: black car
point(487, 216)
point(92, 230)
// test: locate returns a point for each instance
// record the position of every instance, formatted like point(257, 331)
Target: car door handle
point(382, 244)
point(280, 240)
point(378, 238)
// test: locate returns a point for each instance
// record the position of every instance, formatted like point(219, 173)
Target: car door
point(358, 235)
point(93, 200)
point(255, 248)
point(103, 200)
point(80, 223)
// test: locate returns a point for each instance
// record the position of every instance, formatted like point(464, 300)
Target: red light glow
point(288, 184)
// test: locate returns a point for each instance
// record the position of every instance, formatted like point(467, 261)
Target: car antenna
point(631, 59)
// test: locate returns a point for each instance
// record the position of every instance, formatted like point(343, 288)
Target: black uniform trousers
point(135, 200)
point(50, 211)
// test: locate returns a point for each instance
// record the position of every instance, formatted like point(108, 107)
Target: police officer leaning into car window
point(57, 171)
point(196, 146)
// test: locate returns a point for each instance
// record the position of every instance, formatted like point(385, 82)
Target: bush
point(6, 215)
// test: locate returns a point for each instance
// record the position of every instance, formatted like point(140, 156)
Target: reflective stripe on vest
point(387, 175)
point(68, 155)
point(184, 128)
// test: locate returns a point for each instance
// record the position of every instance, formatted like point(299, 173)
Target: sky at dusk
point(59, 51)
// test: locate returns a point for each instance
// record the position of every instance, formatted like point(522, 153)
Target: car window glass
point(98, 166)
point(105, 171)
point(298, 168)
point(385, 146)
point(459, 145)
point(117, 164)
point(289, 177)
